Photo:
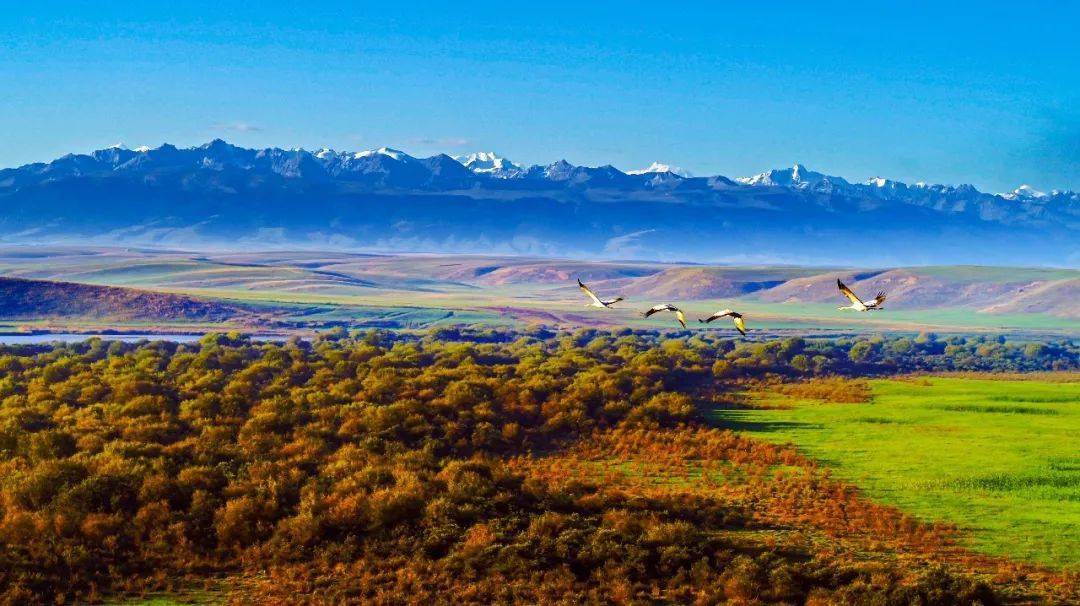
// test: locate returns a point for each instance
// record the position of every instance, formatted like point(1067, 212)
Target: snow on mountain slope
point(1025, 192)
point(798, 177)
point(219, 194)
point(658, 167)
point(488, 163)
point(298, 163)
point(384, 151)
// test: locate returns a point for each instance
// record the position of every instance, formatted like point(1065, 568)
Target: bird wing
point(847, 293)
point(591, 294)
point(878, 299)
point(739, 324)
point(612, 301)
point(658, 308)
point(680, 317)
point(717, 315)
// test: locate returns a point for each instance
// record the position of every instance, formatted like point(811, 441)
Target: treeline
point(808, 357)
point(375, 465)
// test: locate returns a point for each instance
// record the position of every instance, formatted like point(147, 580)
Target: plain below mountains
point(219, 196)
point(474, 281)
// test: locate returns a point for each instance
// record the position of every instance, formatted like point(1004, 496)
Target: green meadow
point(998, 458)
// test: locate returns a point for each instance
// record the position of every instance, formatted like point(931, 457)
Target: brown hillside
point(914, 289)
point(820, 288)
point(704, 283)
point(1059, 297)
point(559, 272)
point(906, 289)
point(483, 270)
point(21, 299)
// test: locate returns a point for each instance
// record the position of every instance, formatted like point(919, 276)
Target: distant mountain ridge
point(221, 195)
point(219, 155)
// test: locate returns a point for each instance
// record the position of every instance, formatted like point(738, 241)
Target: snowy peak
point(383, 151)
point(483, 161)
point(882, 187)
point(798, 176)
point(798, 172)
point(1025, 192)
point(659, 167)
point(488, 163)
point(391, 168)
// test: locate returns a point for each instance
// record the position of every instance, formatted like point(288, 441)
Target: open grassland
point(1000, 458)
point(521, 291)
point(529, 304)
point(388, 308)
point(521, 303)
point(972, 273)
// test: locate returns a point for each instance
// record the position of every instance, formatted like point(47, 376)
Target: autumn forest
point(467, 465)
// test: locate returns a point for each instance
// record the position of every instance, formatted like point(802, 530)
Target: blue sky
point(984, 93)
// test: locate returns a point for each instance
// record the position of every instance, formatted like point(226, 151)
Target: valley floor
point(301, 292)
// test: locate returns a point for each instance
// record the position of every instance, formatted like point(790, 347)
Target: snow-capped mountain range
point(487, 163)
point(217, 154)
point(660, 168)
point(219, 194)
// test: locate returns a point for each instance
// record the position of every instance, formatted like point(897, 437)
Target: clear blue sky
point(986, 93)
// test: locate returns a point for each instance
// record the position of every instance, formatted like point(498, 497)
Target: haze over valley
point(746, 304)
point(219, 196)
point(127, 289)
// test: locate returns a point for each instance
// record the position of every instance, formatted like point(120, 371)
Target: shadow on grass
point(743, 420)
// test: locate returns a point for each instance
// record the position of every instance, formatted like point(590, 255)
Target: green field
point(999, 458)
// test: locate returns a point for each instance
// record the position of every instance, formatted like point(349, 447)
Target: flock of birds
point(857, 304)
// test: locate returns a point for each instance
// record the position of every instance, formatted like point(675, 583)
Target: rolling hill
point(696, 283)
point(458, 282)
point(1022, 290)
point(38, 299)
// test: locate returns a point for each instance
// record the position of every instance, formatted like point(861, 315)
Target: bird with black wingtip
point(858, 304)
point(596, 301)
point(679, 315)
point(736, 318)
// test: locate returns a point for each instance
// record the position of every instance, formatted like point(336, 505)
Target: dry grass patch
point(829, 389)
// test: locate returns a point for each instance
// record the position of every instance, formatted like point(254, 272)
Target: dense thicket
point(380, 462)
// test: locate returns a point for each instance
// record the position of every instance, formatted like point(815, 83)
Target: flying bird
point(857, 304)
point(667, 307)
point(597, 301)
point(736, 317)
